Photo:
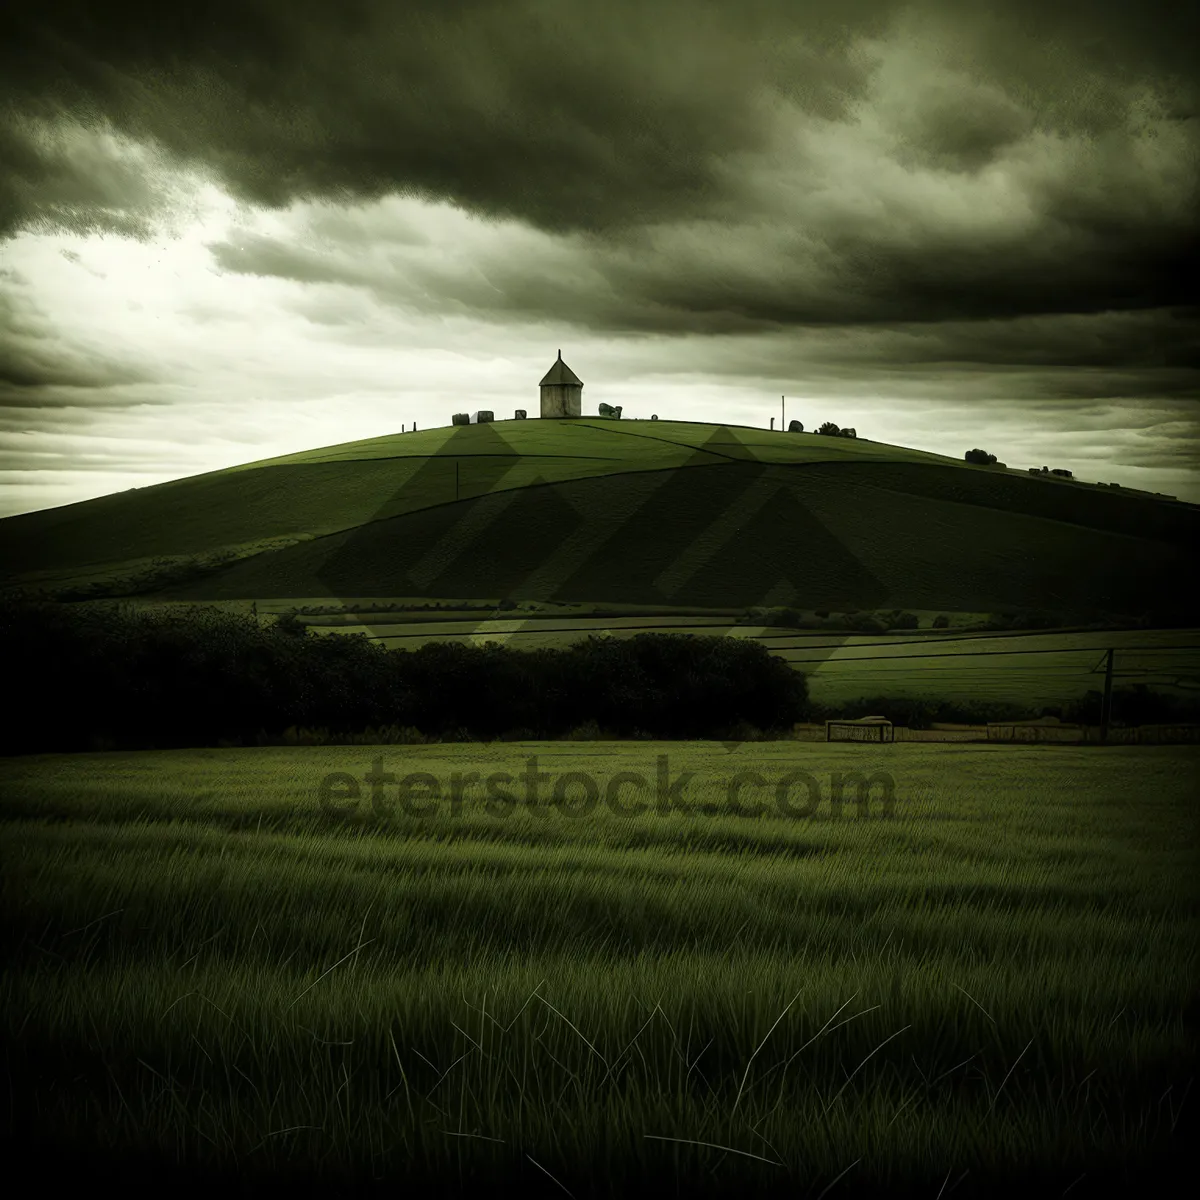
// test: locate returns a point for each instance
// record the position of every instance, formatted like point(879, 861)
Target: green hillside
point(632, 512)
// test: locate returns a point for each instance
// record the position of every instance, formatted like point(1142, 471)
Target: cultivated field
point(991, 987)
point(1032, 669)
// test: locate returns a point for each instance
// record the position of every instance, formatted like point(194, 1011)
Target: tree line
point(117, 676)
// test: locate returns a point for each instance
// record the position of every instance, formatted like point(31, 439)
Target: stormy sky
point(242, 228)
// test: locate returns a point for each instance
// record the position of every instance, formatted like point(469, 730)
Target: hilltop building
point(562, 391)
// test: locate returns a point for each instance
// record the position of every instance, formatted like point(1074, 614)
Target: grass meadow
point(331, 488)
point(989, 986)
point(622, 512)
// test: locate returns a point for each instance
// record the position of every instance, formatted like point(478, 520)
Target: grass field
point(663, 513)
point(991, 988)
point(334, 488)
point(833, 535)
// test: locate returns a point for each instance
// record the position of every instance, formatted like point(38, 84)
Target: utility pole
point(1106, 706)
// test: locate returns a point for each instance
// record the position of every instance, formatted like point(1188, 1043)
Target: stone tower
point(562, 391)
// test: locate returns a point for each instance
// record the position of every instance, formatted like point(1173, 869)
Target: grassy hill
point(633, 512)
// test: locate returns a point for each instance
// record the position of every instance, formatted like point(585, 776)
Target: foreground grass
point(992, 987)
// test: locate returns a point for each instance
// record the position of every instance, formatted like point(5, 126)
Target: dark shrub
point(290, 624)
point(125, 678)
point(868, 623)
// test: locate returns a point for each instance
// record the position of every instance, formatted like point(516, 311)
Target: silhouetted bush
point(941, 621)
point(589, 731)
point(291, 624)
point(743, 731)
point(115, 677)
point(1037, 620)
point(1183, 616)
point(1135, 705)
point(867, 623)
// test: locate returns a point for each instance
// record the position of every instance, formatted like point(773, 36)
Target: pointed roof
point(560, 373)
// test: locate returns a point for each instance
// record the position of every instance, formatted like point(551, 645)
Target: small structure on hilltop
point(850, 433)
point(607, 410)
point(520, 414)
point(794, 426)
point(460, 419)
point(482, 416)
point(561, 391)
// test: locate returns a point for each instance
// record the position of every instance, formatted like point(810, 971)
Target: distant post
point(782, 421)
point(1106, 706)
point(772, 423)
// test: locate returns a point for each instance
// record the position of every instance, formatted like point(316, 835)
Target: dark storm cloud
point(686, 155)
point(51, 178)
point(940, 127)
point(1167, 339)
point(566, 115)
